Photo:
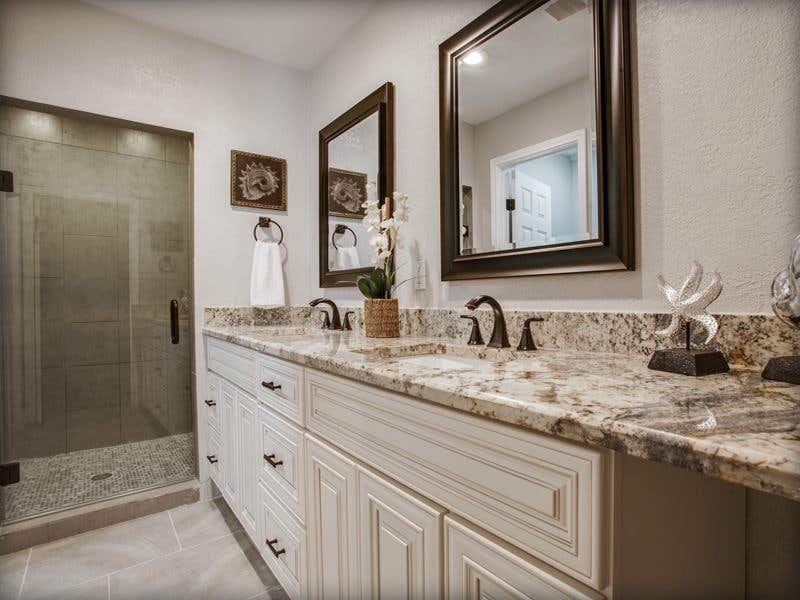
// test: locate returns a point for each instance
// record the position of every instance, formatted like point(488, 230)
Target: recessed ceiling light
point(473, 58)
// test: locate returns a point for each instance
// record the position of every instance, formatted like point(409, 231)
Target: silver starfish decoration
point(688, 304)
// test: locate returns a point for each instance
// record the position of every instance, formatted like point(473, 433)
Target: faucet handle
point(326, 319)
point(475, 338)
point(526, 339)
point(347, 326)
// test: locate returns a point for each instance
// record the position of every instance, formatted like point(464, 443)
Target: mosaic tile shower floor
point(64, 480)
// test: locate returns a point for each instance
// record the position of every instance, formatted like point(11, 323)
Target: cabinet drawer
point(479, 567)
point(280, 386)
point(281, 464)
point(211, 402)
point(282, 543)
point(541, 494)
point(214, 457)
point(232, 362)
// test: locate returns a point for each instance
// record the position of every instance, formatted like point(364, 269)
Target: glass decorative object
point(688, 304)
point(786, 306)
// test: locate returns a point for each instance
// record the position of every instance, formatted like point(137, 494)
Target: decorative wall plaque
point(258, 181)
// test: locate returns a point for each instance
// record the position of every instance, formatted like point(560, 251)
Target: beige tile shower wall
point(97, 243)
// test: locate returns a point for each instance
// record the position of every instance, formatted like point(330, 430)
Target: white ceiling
point(293, 33)
point(533, 57)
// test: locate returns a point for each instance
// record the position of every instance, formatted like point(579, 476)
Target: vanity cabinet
point(351, 491)
point(399, 539)
point(478, 567)
point(332, 522)
point(247, 454)
point(229, 456)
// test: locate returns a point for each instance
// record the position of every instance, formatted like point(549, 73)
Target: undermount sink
point(283, 330)
point(442, 355)
point(443, 361)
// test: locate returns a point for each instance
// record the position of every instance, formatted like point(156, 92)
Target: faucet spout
point(336, 322)
point(499, 338)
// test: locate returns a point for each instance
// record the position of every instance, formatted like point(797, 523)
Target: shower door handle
point(174, 326)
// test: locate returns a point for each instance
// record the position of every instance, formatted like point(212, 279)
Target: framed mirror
point(535, 141)
point(356, 162)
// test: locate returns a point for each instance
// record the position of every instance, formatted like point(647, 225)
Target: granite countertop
point(735, 427)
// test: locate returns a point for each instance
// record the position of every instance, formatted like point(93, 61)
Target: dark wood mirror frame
point(380, 101)
point(614, 249)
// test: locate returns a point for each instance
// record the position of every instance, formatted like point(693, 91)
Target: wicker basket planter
point(381, 318)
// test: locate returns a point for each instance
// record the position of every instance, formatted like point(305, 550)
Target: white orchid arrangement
point(380, 283)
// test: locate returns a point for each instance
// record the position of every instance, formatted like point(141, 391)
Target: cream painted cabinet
point(479, 567)
point(332, 523)
point(229, 458)
point(400, 541)
point(247, 459)
point(350, 491)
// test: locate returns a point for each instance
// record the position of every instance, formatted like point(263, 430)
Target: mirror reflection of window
point(527, 142)
point(353, 159)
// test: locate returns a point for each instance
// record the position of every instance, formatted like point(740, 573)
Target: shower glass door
point(95, 391)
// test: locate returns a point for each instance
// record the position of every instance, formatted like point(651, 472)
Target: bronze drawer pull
point(212, 458)
point(269, 458)
point(210, 403)
point(277, 553)
point(270, 385)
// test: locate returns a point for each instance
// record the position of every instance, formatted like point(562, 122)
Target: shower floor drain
point(101, 476)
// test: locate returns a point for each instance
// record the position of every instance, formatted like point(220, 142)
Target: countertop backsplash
point(746, 340)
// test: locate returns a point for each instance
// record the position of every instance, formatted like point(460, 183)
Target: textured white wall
point(718, 154)
point(72, 55)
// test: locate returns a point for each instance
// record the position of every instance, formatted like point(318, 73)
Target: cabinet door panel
point(400, 541)
point(478, 567)
point(332, 527)
point(229, 458)
point(247, 431)
point(211, 401)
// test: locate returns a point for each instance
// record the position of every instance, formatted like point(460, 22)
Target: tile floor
point(64, 480)
point(194, 551)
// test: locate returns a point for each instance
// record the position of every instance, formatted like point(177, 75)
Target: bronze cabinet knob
point(272, 544)
point(270, 458)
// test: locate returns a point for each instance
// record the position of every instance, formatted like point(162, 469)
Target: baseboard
point(62, 524)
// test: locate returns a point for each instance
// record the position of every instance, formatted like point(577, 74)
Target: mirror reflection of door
point(526, 110)
point(353, 159)
point(531, 217)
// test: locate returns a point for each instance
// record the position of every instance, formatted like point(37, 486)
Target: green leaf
point(366, 286)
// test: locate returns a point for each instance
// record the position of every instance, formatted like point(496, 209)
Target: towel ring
point(340, 229)
point(266, 222)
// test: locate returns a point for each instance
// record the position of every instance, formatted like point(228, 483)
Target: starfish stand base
point(783, 368)
point(689, 362)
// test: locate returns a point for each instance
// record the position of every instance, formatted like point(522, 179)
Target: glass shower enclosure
point(96, 342)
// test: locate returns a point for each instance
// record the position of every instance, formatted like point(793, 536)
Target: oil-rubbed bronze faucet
point(336, 322)
point(526, 339)
point(475, 338)
point(499, 337)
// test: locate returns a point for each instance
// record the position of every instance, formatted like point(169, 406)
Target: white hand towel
point(347, 258)
point(266, 279)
